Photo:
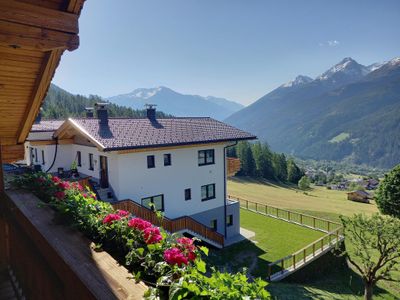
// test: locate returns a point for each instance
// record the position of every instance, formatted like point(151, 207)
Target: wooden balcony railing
point(171, 225)
point(51, 261)
point(233, 166)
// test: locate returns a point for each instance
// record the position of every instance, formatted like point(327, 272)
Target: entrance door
point(103, 172)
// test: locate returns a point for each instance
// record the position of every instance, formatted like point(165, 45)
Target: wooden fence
point(171, 225)
point(284, 266)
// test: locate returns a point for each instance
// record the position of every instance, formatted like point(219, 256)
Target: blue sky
point(236, 49)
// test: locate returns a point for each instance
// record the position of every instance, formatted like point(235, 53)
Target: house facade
point(175, 165)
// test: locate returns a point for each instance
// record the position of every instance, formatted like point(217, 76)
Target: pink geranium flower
point(59, 195)
point(139, 224)
point(174, 256)
point(55, 179)
point(110, 218)
point(122, 213)
point(152, 235)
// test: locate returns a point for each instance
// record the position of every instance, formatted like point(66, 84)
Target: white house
point(178, 164)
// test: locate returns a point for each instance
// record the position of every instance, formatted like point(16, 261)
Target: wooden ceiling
point(33, 36)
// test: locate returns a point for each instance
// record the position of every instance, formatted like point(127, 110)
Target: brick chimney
point(89, 112)
point(151, 111)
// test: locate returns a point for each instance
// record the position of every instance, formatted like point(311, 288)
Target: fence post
point(282, 266)
point(266, 209)
point(329, 226)
point(247, 204)
point(256, 206)
point(288, 214)
point(304, 254)
point(313, 249)
point(294, 261)
point(301, 219)
point(322, 244)
point(277, 212)
point(314, 222)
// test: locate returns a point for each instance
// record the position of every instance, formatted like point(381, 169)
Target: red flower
point(187, 246)
point(152, 235)
point(41, 179)
point(175, 256)
point(55, 179)
point(111, 218)
point(84, 195)
point(122, 213)
point(64, 185)
point(59, 195)
point(139, 224)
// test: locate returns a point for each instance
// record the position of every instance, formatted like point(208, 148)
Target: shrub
point(304, 183)
point(388, 194)
point(148, 251)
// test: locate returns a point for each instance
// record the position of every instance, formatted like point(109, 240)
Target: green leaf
point(201, 266)
point(204, 250)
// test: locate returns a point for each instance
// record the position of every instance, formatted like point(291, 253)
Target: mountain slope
point(60, 104)
point(178, 104)
point(348, 113)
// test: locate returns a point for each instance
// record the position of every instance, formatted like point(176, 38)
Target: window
point(91, 162)
point(206, 157)
point(208, 192)
point(229, 220)
point(154, 202)
point(150, 162)
point(214, 224)
point(43, 157)
point(167, 159)
point(79, 158)
point(31, 154)
point(188, 194)
point(36, 156)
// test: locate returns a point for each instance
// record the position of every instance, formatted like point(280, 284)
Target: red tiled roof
point(46, 125)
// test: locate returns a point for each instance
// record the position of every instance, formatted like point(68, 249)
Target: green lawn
point(274, 239)
point(340, 282)
point(318, 201)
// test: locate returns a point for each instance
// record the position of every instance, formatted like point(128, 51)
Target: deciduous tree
point(388, 195)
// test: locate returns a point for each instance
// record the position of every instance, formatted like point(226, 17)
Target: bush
point(388, 194)
point(146, 250)
point(304, 183)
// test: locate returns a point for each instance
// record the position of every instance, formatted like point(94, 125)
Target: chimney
point(89, 112)
point(39, 116)
point(102, 113)
point(151, 111)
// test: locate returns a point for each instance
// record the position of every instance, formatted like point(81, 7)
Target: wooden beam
point(34, 15)
point(51, 142)
point(12, 153)
point(27, 37)
point(75, 6)
point(41, 86)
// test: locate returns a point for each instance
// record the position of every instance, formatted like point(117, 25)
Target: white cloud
point(331, 43)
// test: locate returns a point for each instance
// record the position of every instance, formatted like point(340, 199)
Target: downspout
point(55, 155)
point(225, 194)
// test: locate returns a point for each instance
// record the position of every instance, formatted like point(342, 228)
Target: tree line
point(59, 104)
point(258, 160)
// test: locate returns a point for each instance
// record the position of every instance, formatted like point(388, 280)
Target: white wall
point(136, 181)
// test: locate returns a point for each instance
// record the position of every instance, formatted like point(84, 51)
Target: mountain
point(349, 113)
point(60, 104)
point(178, 104)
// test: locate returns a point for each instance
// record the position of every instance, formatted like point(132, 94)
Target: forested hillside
point(350, 113)
point(60, 104)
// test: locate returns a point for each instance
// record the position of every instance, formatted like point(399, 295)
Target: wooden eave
point(69, 129)
point(33, 36)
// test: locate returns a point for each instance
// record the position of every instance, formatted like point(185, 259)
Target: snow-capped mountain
point(346, 71)
point(299, 80)
point(177, 104)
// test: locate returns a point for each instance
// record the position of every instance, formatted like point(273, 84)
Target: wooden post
point(304, 255)
point(266, 209)
point(277, 212)
point(256, 206)
point(322, 244)
point(294, 261)
point(314, 222)
point(288, 214)
point(247, 204)
point(301, 219)
point(313, 249)
point(329, 226)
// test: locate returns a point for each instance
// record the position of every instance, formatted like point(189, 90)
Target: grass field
point(274, 239)
point(341, 282)
point(318, 201)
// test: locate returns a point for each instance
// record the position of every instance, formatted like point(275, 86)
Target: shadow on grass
point(280, 185)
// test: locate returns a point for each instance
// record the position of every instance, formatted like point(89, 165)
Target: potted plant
point(74, 169)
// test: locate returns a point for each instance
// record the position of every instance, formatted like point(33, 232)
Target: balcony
point(51, 261)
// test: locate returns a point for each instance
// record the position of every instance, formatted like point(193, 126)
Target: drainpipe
point(55, 155)
point(225, 209)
